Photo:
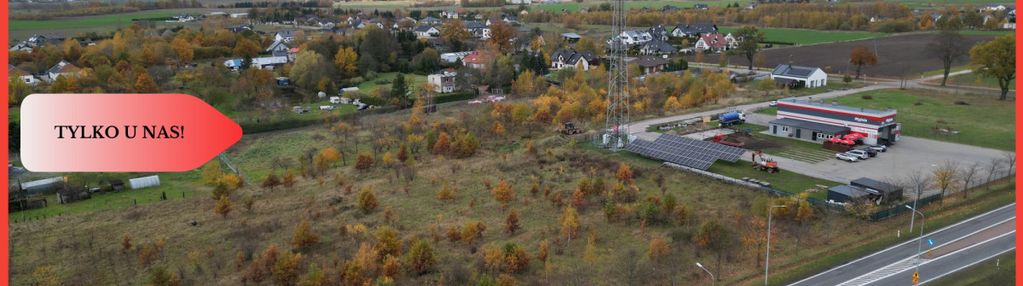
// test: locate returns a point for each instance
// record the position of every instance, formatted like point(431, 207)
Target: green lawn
point(785, 180)
point(385, 79)
point(638, 4)
point(809, 37)
point(986, 121)
point(175, 185)
point(769, 111)
point(999, 270)
point(112, 20)
point(972, 79)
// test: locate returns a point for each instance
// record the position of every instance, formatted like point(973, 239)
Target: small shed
point(144, 182)
point(116, 185)
point(846, 193)
point(44, 185)
point(887, 192)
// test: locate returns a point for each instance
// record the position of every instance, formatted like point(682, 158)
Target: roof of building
point(571, 56)
point(794, 71)
point(697, 28)
point(849, 191)
point(830, 129)
point(423, 29)
point(570, 35)
point(659, 46)
point(650, 61)
point(472, 25)
point(714, 40)
point(62, 67)
point(817, 104)
point(876, 185)
point(15, 71)
point(277, 45)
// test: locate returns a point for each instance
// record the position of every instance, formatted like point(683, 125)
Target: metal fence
point(899, 208)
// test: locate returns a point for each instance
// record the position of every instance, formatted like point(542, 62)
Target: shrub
point(304, 236)
point(420, 258)
point(364, 161)
point(367, 201)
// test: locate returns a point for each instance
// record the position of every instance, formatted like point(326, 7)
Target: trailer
point(731, 118)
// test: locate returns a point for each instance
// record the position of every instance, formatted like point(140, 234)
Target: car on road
point(847, 157)
point(878, 148)
point(773, 103)
point(862, 155)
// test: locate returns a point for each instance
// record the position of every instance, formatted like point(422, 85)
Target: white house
point(239, 15)
point(22, 75)
point(631, 38)
point(278, 48)
point(570, 58)
point(284, 36)
point(478, 29)
point(453, 57)
point(449, 14)
point(715, 42)
point(443, 82)
point(259, 63)
point(799, 76)
point(62, 68)
point(426, 32)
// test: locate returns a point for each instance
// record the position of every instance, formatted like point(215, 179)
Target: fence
point(769, 190)
point(899, 208)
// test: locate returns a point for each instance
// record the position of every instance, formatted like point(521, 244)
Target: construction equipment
point(568, 128)
point(764, 164)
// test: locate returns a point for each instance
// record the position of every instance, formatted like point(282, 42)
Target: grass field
point(174, 185)
point(638, 4)
point(385, 80)
point(786, 181)
point(986, 121)
point(809, 37)
point(111, 21)
point(1000, 270)
point(972, 79)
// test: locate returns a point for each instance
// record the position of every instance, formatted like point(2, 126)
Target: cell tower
point(616, 127)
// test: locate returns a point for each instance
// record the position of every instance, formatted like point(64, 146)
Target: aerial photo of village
point(535, 142)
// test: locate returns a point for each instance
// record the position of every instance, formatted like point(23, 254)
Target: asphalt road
point(948, 264)
point(898, 253)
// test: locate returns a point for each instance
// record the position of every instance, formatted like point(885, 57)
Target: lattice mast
point(617, 121)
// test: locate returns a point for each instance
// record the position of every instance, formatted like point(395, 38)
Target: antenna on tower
point(616, 126)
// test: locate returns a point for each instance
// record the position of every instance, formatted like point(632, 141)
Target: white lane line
point(969, 265)
point(908, 241)
point(1013, 232)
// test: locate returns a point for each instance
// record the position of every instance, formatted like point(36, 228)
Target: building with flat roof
point(818, 121)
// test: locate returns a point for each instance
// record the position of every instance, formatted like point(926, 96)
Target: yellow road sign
point(916, 278)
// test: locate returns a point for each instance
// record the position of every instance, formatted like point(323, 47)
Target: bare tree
point(968, 174)
point(948, 46)
point(1010, 159)
point(992, 170)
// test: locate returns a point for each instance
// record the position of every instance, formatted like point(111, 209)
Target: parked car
point(862, 155)
point(878, 148)
point(847, 157)
point(773, 103)
point(871, 152)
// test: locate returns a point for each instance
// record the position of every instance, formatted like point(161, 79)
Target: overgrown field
point(981, 120)
point(809, 37)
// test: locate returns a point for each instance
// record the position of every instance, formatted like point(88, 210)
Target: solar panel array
point(684, 151)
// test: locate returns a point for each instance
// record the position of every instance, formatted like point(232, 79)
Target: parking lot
point(909, 155)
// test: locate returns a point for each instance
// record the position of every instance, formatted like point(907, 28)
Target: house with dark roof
point(650, 64)
point(22, 75)
point(658, 33)
point(799, 76)
point(570, 58)
point(430, 21)
point(240, 28)
point(478, 29)
point(657, 47)
point(693, 30)
point(62, 68)
point(284, 36)
point(571, 37)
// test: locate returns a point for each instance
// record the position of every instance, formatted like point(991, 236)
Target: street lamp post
point(767, 259)
point(712, 278)
point(920, 242)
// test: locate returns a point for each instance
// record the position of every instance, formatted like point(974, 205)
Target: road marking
point(968, 265)
point(925, 261)
point(906, 242)
point(899, 267)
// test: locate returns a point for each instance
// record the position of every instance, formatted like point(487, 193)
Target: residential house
point(631, 38)
point(22, 75)
point(715, 42)
point(1010, 22)
point(240, 28)
point(693, 30)
point(477, 60)
point(453, 57)
point(259, 63)
point(658, 33)
point(443, 82)
point(285, 36)
point(449, 14)
point(430, 21)
point(570, 58)
point(510, 19)
point(657, 47)
point(239, 15)
point(62, 68)
point(426, 32)
point(478, 29)
point(278, 48)
point(184, 18)
point(650, 64)
point(701, 6)
point(799, 76)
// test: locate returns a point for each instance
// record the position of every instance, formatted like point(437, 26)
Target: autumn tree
point(286, 270)
point(246, 48)
point(945, 177)
point(569, 223)
point(753, 237)
point(441, 146)
point(997, 59)
point(543, 250)
point(309, 68)
point(364, 161)
point(223, 206)
point(503, 193)
point(515, 258)
point(948, 46)
point(304, 236)
point(861, 56)
point(511, 223)
point(502, 35)
point(658, 248)
point(421, 259)
point(367, 201)
point(624, 173)
point(347, 61)
point(749, 38)
point(714, 236)
point(144, 83)
point(454, 32)
point(183, 49)
point(271, 181)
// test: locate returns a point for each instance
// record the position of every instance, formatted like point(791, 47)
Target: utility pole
point(920, 241)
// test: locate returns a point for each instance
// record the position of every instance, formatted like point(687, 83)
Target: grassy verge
point(972, 79)
point(999, 270)
point(956, 209)
point(985, 121)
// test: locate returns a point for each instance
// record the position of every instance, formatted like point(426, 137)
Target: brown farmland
point(902, 55)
